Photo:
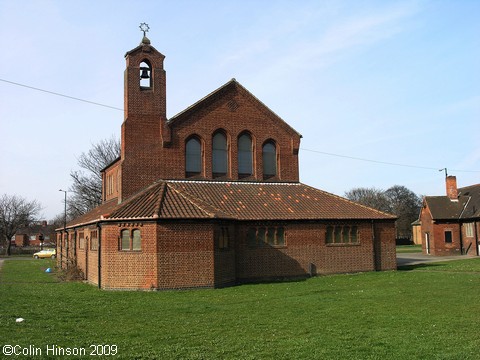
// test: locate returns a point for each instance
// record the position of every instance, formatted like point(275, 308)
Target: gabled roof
point(472, 209)
point(145, 46)
point(232, 85)
point(253, 201)
point(443, 208)
point(466, 206)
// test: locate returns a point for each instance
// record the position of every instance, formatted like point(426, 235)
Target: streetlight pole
point(64, 228)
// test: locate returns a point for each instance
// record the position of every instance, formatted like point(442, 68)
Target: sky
point(384, 92)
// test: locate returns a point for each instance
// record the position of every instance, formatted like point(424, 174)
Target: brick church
point(211, 197)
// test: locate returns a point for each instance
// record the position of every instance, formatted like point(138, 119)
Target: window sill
point(267, 247)
point(343, 244)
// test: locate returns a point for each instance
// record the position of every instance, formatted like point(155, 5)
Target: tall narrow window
point(81, 240)
point(125, 240)
point(329, 235)
point(136, 240)
point(354, 234)
point(94, 240)
point(244, 156)
point(469, 229)
point(145, 75)
point(346, 234)
point(252, 236)
point(193, 157)
point(269, 155)
point(260, 236)
point(219, 155)
point(448, 236)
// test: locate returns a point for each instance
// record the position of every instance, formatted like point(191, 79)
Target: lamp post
point(65, 213)
point(64, 228)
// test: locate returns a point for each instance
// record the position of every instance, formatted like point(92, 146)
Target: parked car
point(47, 253)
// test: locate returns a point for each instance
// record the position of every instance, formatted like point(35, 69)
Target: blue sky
point(389, 81)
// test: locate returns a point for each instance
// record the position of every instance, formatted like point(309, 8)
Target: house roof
point(466, 206)
point(253, 201)
point(443, 208)
point(472, 208)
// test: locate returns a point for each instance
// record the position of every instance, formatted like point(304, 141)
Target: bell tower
point(144, 130)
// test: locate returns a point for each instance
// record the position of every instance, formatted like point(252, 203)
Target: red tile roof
point(232, 200)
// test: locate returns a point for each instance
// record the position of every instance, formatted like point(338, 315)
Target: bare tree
point(15, 212)
point(370, 197)
point(397, 200)
point(86, 189)
point(406, 205)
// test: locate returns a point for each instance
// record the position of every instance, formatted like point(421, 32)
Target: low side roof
point(255, 201)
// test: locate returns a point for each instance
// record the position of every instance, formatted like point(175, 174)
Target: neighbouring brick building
point(35, 234)
point(211, 197)
point(450, 224)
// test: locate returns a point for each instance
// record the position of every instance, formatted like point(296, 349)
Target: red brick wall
point(385, 247)
point(145, 114)
point(469, 242)
point(427, 228)
point(65, 250)
point(21, 240)
point(87, 259)
point(142, 143)
point(306, 247)
point(128, 269)
point(110, 182)
point(92, 269)
point(185, 255)
point(440, 247)
point(224, 265)
point(247, 116)
point(152, 150)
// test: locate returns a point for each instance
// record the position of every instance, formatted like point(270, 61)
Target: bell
point(144, 74)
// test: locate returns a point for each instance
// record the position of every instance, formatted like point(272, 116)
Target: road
point(419, 258)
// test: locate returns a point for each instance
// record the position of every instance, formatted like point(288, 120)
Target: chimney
point(452, 191)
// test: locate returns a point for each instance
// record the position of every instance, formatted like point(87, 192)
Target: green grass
point(424, 312)
point(409, 248)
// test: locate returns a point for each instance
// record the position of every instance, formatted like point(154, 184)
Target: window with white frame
point(469, 229)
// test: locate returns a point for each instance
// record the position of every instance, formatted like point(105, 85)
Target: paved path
point(419, 258)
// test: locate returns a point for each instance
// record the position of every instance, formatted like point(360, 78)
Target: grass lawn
point(425, 312)
point(409, 248)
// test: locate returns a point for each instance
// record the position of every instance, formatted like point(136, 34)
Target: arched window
point(125, 240)
point(245, 159)
point(219, 155)
point(136, 240)
point(269, 156)
point(128, 242)
point(193, 157)
point(145, 74)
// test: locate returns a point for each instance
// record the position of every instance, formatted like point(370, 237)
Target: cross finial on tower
point(144, 27)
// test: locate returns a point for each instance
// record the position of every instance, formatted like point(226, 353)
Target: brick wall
point(385, 247)
point(469, 242)
point(306, 251)
point(440, 247)
point(185, 255)
point(245, 116)
point(128, 269)
point(159, 147)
